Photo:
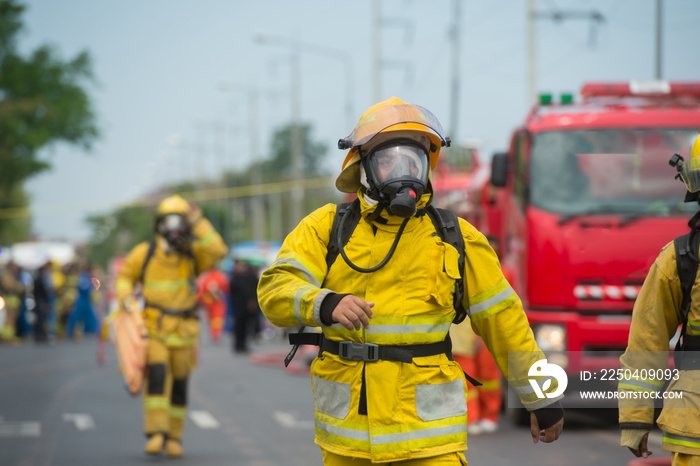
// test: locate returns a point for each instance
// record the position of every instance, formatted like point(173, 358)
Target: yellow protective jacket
point(169, 283)
point(655, 319)
point(414, 409)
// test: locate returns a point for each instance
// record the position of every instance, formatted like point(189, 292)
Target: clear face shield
point(397, 162)
point(176, 231)
point(398, 172)
point(690, 174)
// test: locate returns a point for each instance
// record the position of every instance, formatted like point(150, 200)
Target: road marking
point(204, 420)
point(288, 421)
point(81, 421)
point(20, 429)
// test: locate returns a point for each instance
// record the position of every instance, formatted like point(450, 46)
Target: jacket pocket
point(443, 271)
point(331, 398)
point(441, 400)
point(682, 404)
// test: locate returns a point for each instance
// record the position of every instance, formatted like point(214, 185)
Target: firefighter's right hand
point(353, 313)
point(641, 451)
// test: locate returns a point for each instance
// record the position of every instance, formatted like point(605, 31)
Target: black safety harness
point(347, 216)
point(686, 246)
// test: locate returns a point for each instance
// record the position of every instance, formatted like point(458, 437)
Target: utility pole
point(531, 56)
point(377, 49)
point(297, 207)
point(454, 88)
point(659, 27)
point(256, 176)
point(554, 15)
point(378, 63)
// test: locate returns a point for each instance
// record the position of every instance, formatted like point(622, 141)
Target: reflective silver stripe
point(492, 301)
point(640, 384)
point(298, 266)
point(543, 403)
point(342, 432)
point(297, 302)
point(408, 328)
point(681, 440)
point(527, 389)
point(694, 326)
point(420, 434)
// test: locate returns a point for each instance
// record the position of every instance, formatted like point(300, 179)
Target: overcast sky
point(161, 66)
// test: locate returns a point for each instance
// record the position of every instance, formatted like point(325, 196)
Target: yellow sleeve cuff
point(631, 438)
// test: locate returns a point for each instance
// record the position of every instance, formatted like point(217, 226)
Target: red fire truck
point(585, 200)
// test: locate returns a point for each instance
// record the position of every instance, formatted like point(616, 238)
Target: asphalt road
point(59, 405)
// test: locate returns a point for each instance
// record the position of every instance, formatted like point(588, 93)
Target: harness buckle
point(368, 352)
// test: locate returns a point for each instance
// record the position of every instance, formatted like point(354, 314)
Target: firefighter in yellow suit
point(655, 320)
point(385, 387)
point(186, 244)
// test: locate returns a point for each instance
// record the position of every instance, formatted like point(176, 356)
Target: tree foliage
point(42, 101)
point(117, 232)
point(279, 165)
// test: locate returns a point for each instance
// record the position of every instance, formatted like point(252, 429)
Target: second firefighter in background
point(185, 245)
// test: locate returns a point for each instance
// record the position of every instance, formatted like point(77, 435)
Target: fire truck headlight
point(2, 303)
point(550, 337)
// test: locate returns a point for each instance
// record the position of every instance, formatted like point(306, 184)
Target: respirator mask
point(175, 229)
point(397, 173)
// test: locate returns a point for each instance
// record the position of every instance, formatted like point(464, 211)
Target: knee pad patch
point(179, 395)
point(156, 379)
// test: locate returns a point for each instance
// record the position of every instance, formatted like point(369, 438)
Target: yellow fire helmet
point(390, 119)
point(174, 204)
point(690, 170)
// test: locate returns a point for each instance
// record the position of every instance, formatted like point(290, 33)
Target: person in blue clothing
point(83, 310)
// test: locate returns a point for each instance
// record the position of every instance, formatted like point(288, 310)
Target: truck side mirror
point(499, 169)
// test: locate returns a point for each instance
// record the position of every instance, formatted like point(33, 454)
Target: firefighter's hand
point(547, 435)
point(194, 213)
point(353, 313)
point(642, 450)
point(130, 303)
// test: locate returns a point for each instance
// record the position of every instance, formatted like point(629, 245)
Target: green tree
point(279, 164)
point(42, 102)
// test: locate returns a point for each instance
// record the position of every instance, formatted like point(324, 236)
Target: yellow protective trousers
point(165, 390)
point(449, 459)
point(683, 459)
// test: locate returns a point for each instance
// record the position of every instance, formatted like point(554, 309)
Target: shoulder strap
point(348, 208)
point(447, 226)
point(687, 271)
point(149, 255)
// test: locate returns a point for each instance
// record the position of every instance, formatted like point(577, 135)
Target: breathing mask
point(176, 231)
point(397, 173)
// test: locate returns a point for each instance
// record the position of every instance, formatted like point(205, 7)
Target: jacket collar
point(368, 206)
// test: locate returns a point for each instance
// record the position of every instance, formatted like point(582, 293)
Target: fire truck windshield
point(609, 172)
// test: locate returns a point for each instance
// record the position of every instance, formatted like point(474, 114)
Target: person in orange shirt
point(212, 292)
